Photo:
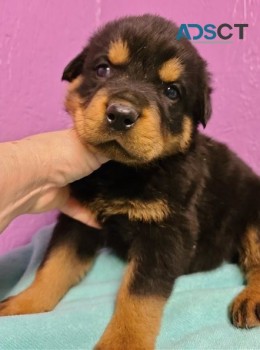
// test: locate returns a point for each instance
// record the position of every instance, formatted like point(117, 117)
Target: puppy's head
point(137, 93)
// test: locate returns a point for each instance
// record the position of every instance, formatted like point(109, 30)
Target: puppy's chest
point(138, 209)
point(115, 191)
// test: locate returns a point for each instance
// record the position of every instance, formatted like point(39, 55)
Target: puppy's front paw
point(245, 310)
point(24, 303)
point(14, 306)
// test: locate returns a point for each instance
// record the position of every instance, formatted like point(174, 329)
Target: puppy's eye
point(172, 92)
point(103, 71)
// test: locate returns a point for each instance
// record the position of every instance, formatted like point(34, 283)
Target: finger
point(78, 212)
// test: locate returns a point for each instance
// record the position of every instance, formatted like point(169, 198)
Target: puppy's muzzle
point(121, 117)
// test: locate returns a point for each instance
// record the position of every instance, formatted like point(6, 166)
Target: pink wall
point(38, 38)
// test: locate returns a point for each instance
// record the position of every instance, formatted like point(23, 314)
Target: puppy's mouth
point(114, 150)
point(133, 146)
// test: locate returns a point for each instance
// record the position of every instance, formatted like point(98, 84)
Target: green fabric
point(195, 317)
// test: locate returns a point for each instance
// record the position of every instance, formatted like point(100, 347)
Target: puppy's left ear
point(74, 68)
point(203, 108)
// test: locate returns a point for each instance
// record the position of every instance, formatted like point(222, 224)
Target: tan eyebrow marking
point(171, 70)
point(118, 52)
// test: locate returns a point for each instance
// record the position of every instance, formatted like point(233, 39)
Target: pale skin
point(36, 171)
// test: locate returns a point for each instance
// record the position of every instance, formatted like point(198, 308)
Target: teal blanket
point(195, 317)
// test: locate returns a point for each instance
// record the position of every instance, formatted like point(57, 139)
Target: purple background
point(38, 38)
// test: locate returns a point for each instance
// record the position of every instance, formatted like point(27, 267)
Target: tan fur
point(146, 137)
point(87, 120)
point(142, 143)
point(59, 273)
point(250, 296)
point(138, 144)
point(118, 52)
point(185, 139)
point(137, 210)
point(251, 249)
point(171, 70)
point(181, 142)
point(136, 321)
point(75, 83)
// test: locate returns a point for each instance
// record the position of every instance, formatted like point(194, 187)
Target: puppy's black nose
point(121, 117)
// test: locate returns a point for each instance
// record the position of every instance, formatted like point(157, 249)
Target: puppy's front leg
point(136, 320)
point(154, 264)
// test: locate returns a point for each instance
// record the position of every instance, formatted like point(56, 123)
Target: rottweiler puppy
point(171, 201)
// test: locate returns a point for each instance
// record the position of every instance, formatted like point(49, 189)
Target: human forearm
point(21, 178)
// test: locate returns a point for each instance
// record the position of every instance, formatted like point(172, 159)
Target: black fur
point(213, 195)
point(152, 41)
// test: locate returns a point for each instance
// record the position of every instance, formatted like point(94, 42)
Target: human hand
point(41, 167)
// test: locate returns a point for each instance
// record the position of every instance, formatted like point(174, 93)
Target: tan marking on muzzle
point(181, 142)
point(87, 119)
point(146, 137)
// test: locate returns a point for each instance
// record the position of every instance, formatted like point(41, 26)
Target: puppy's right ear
point(74, 68)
